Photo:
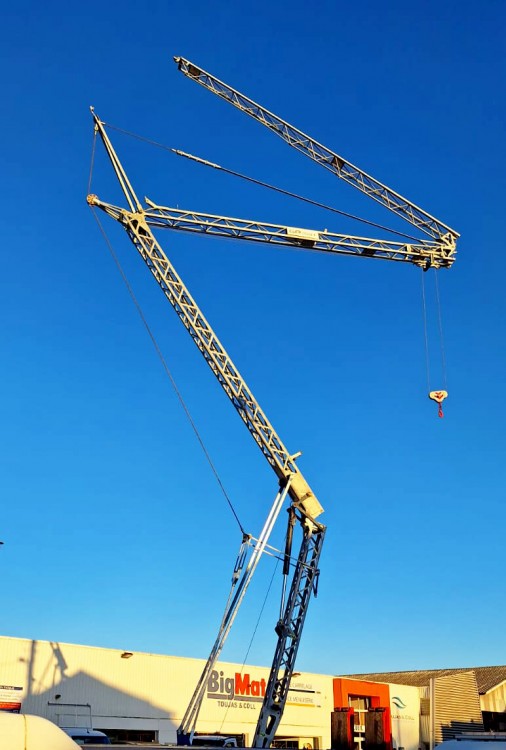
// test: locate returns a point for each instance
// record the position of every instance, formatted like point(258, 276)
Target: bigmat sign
point(241, 691)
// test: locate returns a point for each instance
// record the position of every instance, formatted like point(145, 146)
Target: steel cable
point(168, 372)
point(441, 335)
point(426, 335)
point(261, 183)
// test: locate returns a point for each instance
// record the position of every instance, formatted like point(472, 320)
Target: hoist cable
point(426, 335)
point(261, 183)
point(441, 336)
point(167, 371)
point(92, 159)
point(282, 191)
point(262, 608)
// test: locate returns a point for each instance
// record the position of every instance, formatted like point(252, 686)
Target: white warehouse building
point(144, 696)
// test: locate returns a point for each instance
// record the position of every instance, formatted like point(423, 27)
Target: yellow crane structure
point(140, 220)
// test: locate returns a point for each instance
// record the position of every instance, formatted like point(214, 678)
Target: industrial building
point(142, 697)
point(139, 696)
point(462, 700)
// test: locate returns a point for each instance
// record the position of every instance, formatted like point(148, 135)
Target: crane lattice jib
point(214, 353)
point(324, 156)
point(424, 253)
point(193, 319)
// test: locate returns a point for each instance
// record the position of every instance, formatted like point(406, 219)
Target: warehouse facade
point(139, 696)
point(142, 697)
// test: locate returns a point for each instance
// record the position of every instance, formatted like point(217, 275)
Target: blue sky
point(116, 532)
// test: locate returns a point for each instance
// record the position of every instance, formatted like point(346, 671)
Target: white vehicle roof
point(87, 736)
point(214, 739)
point(25, 732)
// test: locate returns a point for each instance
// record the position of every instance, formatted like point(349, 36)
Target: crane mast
point(139, 221)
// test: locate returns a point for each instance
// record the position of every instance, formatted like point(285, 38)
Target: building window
point(494, 721)
point(286, 743)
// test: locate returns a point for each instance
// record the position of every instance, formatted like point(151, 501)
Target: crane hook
point(438, 397)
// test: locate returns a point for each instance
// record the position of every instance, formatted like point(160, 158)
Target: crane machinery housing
point(300, 572)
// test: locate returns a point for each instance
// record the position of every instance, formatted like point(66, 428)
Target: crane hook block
point(438, 397)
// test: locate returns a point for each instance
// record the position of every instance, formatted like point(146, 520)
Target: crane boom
point(214, 353)
point(424, 254)
point(336, 164)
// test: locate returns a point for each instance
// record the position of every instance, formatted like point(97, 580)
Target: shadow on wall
point(111, 708)
point(56, 665)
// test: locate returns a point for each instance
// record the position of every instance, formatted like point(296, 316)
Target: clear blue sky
point(116, 533)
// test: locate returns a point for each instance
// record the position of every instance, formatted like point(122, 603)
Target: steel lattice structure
point(289, 631)
point(338, 165)
point(139, 221)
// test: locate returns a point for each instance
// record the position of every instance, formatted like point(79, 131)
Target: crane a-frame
point(139, 222)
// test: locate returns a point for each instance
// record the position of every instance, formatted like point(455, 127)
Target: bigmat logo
point(235, 688)
point(398, 702)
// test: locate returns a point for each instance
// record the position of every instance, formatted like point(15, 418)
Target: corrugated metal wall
point(424, 693)
point(457, 706)
point(149, 691)
point(495, 699)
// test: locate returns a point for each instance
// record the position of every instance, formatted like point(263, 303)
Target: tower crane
point(139, 222)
